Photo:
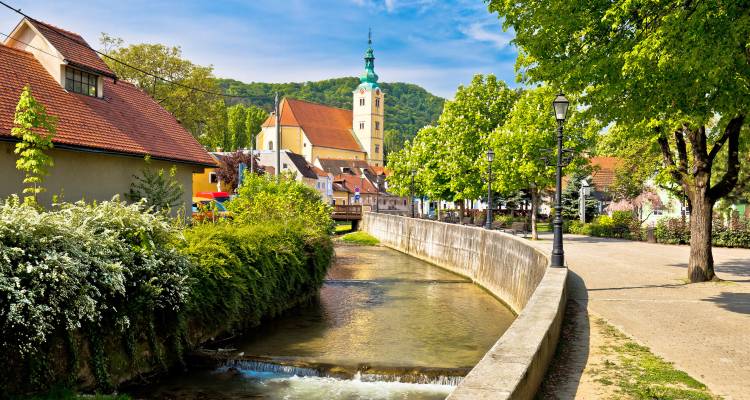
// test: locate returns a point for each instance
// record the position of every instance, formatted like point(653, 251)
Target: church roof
point(324, 126)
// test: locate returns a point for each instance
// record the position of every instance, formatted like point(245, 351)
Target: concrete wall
point(512, 269)
point(90, 176)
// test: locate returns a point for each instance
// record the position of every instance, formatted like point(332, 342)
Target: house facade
point(105, 129)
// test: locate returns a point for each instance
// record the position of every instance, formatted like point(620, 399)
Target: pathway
point(640, 289)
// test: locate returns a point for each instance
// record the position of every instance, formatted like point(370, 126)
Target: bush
point(86, 268)
point(266, 199)
point(242, 273)
point(672, 231)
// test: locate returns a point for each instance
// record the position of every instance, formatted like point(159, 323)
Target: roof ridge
point(316, 104)
point(55, 27)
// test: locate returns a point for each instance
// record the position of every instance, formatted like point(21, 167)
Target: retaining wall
point(511, 268)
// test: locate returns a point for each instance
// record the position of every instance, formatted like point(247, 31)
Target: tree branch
point(729, 180)
point(679, 138)
point(667, 154)
point(717, 146)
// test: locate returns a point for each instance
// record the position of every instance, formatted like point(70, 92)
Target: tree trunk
point(534, 200)
point(462, 211)
point(701, 263)
point(438, 209)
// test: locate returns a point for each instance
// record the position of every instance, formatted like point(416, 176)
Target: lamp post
point(490, 157)
point(560, 106)
point(411, 196)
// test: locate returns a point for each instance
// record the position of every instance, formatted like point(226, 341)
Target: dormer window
point(77, 81)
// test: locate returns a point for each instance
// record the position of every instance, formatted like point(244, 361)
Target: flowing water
point(385, 326)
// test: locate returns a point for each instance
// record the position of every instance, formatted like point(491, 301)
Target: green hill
point(408, 107)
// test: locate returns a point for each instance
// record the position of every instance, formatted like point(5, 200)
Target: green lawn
point(360, 238)
point(343, 227)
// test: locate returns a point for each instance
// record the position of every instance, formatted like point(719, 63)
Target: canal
point(385, 326)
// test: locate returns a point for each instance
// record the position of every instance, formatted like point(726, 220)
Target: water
point(386, 326)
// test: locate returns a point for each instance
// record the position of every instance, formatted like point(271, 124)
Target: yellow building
point(317, 131)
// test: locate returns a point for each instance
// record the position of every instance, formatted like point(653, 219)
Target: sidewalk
point(640, 289)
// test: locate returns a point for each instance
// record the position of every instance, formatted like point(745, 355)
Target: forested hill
point(408, 107)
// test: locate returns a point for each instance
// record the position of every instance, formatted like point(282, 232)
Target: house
point(105, 126)
point(207, 180)
point(302, 170)
point(319, 131)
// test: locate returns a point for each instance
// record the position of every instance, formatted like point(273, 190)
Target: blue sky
point(437, 44)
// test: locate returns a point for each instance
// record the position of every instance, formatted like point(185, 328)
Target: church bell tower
point(368, 111)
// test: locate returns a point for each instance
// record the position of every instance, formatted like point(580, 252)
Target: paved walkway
point(640, 289)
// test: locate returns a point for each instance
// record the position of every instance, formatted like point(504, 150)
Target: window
point(81, 82)
point(212, 178)
point(304, 144)
point(285, 166)
point(377, 103)
point(361, 125)
point(270, 145)
point(362, 102)
point(377, 125)
point(377, 151)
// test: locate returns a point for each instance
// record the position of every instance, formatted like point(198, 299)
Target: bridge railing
point(347, 212)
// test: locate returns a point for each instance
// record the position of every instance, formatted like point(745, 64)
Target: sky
point(437, 44)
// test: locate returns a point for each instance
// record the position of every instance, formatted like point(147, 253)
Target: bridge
point(351, 212)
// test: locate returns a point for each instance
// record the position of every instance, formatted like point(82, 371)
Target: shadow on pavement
point(735, 302)
point(565, 371)
point(736, 267)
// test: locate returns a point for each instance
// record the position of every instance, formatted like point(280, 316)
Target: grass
point(343, 227)
point(639, 374)
point(360, 238)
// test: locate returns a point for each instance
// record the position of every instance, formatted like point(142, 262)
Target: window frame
point(81, 82)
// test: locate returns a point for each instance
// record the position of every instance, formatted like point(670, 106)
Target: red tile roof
point(324, 126)
point(604, 171)
point(73, 48)
point(125, 121)
point(350, 182)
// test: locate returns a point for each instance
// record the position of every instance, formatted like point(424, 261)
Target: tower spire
point(369, 77)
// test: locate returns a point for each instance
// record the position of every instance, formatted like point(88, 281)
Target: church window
point(361, 125)
point(270, 145)
point(377, 149)
point(362, 102)
point(377, 125)
point(377, 103)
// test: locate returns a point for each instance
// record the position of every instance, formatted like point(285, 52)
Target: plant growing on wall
point(35, 129)
point(160, 189)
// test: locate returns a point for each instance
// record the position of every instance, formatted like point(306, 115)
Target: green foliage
point(621, 224)
point(254, 118)
point(89, 268)
point(360, 238)
point(160, 190)
point(570, 198)
point(237, 130)
point(672, 231)
point(264, 199)
point(35, 129)
point(197, 111)
point(243, 272)
point(408, 107)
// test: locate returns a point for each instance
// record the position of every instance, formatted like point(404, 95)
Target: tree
point(571, 196)
point(464, 129)
point(673, 69)
point(192, 108)
point(237, 129)
point(229, 169)
point(254, 118)
point(526, 138)
point(35, 129)
point(160, 189)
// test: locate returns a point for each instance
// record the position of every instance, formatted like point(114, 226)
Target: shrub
point(266, 199)
point(672, 231)
point(88, 268)
point(243, 272)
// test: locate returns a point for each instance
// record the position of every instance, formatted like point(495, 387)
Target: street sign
point(356, 194)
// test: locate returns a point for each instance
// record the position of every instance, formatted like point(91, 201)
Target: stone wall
point(512, 269)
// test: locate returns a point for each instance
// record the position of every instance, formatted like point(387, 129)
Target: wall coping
point(516, 364)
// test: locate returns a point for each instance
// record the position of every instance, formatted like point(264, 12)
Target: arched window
point(270, 145)
point(377, 102)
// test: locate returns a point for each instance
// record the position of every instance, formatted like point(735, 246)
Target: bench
point(516, 228)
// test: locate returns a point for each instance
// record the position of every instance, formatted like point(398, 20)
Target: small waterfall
point(398, 375)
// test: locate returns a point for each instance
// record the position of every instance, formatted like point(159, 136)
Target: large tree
point(675, 69)
point(527, 140)
point(237, 128)
point(194, 109)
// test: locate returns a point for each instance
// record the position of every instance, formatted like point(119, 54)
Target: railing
point(347, 212)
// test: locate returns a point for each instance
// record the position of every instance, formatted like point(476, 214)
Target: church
point(319, 132)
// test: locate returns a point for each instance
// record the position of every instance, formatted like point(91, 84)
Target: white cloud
point(390, 5)
point(488, 32)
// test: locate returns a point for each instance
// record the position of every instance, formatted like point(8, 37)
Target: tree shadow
point(735, 302)
point(566, 369)
point(739, 267)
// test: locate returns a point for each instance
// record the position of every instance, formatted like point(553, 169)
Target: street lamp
point(411, 198)
point(490, 157)
point(560, 106)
